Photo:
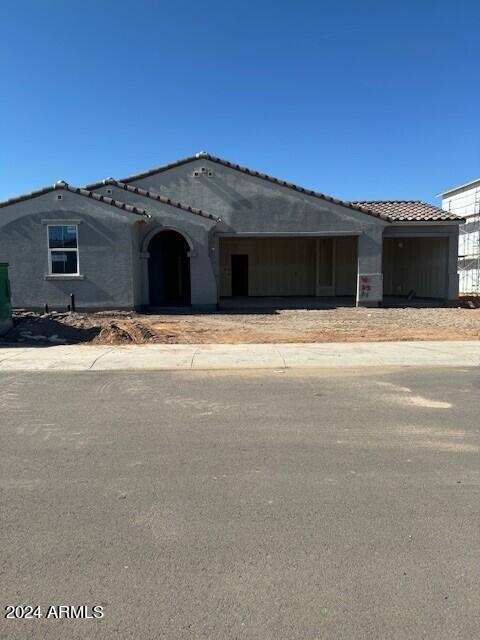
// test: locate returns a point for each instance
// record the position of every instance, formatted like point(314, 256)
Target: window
point(63, 249)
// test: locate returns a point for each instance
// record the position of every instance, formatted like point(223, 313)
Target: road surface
point(269, 505)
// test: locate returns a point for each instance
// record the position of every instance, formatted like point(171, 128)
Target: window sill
point(64, 276)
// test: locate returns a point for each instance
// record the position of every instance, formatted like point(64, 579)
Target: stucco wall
point(197, 230)
point(105, 252)
point(246, 203)
point(113, 245)
point(250, 205)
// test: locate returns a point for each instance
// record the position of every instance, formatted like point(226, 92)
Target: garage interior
point(415, 267)
point(294, 267)
point(323, 270)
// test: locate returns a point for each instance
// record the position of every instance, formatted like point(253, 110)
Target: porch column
point(369, 273)
point(203, 284)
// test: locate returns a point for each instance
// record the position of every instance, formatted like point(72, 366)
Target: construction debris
point(341, 324)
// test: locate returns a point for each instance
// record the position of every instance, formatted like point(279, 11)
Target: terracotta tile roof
point(408, 211)
point(82, 192)
point(159, 197)
point(203, 155)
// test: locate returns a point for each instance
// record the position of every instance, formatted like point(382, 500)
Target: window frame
point(63, 249)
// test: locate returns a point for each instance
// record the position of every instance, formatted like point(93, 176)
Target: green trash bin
point(5, 300)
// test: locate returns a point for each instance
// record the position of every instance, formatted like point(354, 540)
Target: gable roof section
point(203, 155)
point(408, 211)
point(82, 192)
point(159, 198)
point(387, 210)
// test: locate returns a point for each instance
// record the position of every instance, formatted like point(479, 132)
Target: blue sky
point(359, 99)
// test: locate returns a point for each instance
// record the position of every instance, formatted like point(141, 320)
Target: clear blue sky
point(358, 99)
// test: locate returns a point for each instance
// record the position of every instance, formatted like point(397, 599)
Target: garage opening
point(169, 270)
point(415, 267)
point(293, 267)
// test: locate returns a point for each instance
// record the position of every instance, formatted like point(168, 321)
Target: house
point(201, 230)
point(464, 201)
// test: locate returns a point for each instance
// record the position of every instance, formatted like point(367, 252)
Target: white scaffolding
point(469, 250)
point(465, 202)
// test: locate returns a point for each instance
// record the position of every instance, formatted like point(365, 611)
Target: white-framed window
point(63, 249)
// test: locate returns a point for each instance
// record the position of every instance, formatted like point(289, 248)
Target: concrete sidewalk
point(238, 356)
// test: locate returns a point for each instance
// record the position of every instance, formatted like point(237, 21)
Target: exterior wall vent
point(202, 171)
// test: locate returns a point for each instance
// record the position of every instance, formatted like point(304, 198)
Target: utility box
point(5, 300)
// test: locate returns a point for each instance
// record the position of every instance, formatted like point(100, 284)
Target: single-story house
point(201, 230)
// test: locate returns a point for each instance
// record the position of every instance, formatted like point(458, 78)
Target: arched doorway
point(169, 269)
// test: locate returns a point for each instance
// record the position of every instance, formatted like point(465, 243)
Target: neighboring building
point(464, 201)
point(201, 229)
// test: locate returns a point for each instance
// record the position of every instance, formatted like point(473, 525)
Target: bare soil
point(290, 325)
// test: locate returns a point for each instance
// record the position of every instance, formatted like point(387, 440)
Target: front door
point(240, 275)
point(169, 270)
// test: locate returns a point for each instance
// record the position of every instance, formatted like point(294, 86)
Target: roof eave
point(118, 204)
point(429, 222)
point(460, 186)
point(252, 172)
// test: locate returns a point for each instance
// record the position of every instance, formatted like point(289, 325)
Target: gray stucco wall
point(248, 205)
point(197, 230)
point(113, 245)
point(105, 252)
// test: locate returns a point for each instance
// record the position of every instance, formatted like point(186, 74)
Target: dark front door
point(240, 275)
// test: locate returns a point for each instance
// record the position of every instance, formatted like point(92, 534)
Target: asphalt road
point(257, 505)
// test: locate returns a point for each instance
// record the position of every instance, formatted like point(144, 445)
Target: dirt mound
point(113, 332)
point(53, 328)
point(71, 328)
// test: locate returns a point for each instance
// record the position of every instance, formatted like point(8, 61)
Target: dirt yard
point(325, 325)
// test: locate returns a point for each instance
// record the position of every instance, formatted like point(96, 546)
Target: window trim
point(63, 223)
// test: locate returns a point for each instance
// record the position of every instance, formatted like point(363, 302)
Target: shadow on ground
point(35, 330)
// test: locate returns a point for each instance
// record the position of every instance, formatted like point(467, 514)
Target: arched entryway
point(169, 270)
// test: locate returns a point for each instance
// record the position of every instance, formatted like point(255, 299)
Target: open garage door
point(288, 267)
point(416, 266)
